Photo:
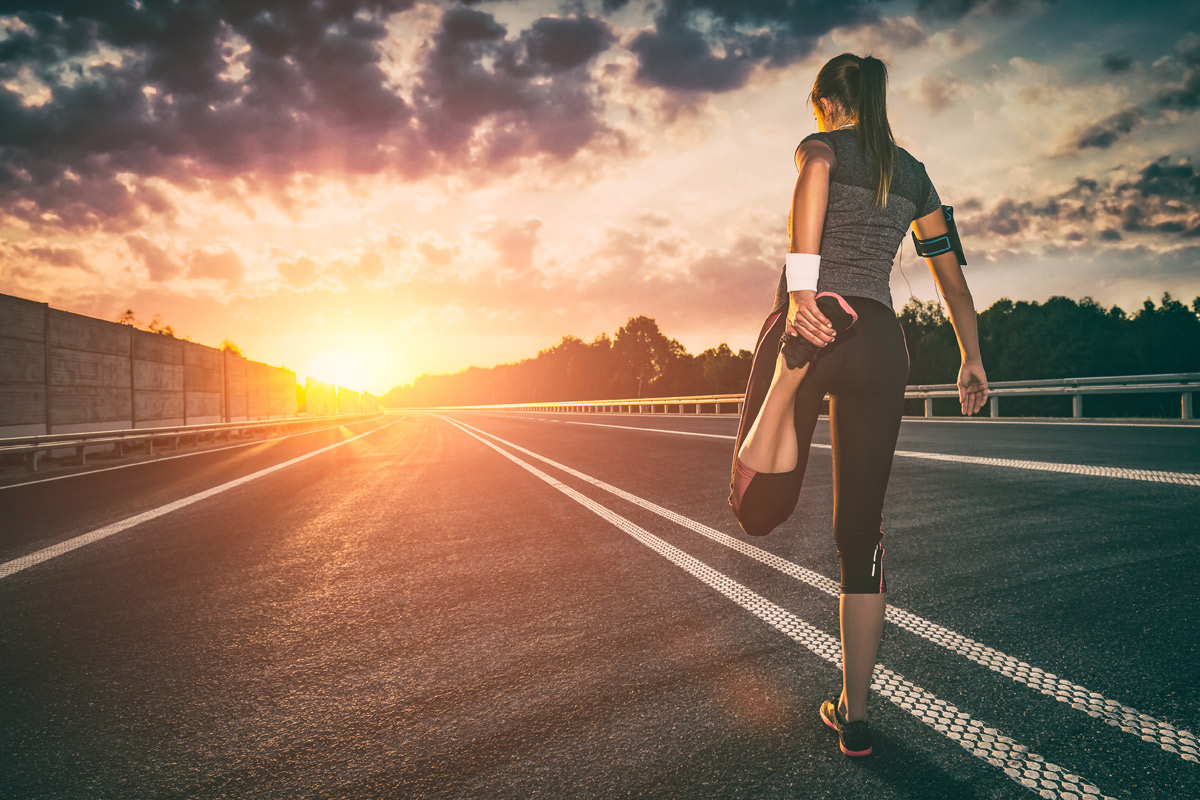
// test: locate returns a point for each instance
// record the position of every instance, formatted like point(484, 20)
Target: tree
point(228, 346)
point(643, 350)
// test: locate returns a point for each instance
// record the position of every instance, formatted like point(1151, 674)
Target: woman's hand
point(972, 387)
point(805, 318)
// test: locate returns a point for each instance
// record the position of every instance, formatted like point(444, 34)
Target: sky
point(367, 190)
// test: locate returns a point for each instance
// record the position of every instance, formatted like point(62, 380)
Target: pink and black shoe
point(798, 351)
point(854, 738)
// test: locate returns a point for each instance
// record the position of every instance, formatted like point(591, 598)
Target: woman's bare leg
point(862, 626)
point(770, 445)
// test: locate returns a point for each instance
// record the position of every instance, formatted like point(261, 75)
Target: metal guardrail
point(1183, 383)
point(33, 447)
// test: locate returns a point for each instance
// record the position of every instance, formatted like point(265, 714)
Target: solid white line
point(907, 420)
point(988, 744)
point(157, 460)
point(1170, 738)
point(1147, 475)
point(9, 568)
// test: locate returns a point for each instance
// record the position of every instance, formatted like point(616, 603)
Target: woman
point(833, 331)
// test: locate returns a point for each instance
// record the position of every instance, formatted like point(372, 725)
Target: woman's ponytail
point(859, 86)
point(875, 134)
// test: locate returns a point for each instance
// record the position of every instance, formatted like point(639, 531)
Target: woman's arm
point(814, 162)
point(972, 381)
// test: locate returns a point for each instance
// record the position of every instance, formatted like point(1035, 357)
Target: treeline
point(1020, 340)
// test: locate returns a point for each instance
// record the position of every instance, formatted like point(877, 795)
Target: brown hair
point(859, 86)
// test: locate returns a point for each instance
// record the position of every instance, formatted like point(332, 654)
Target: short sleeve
point(930, 201)
point(819, 136)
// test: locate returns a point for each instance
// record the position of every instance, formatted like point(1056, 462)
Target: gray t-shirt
point(860, 240)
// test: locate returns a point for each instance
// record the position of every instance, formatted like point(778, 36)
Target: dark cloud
point(714, 45)
point(1116, 62)
point(1167, 181)
point(534, 98)
point(1183, 96)
point(267, 91)
point(957, 9)
point(160, 265)
point(1162, 198)
point(1108, 130)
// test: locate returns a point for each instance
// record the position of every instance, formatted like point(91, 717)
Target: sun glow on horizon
point(341, 367)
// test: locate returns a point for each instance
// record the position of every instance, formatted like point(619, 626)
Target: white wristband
point(801, 271)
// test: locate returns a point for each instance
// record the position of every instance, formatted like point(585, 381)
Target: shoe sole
point(851, 753)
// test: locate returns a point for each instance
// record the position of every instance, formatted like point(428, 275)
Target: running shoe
point(798, 351)
point(853, 737)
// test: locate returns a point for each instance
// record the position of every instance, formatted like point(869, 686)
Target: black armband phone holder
point(936, 245)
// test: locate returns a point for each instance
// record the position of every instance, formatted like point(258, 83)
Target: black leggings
point(864, 372)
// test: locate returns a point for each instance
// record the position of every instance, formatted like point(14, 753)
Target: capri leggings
point(864, 372)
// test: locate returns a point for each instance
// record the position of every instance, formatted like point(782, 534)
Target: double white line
point(1017, 762)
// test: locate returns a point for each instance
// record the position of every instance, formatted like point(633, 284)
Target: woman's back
point(859, 239)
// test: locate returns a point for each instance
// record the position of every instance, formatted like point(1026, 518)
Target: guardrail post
point(1185, 405)
point(697, 408)
point(995, 401)
point(928, 407)
point(1077, 405)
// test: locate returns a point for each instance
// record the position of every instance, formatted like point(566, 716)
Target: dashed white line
point(1016, 760)
point(1175, 740)
point(9, 568)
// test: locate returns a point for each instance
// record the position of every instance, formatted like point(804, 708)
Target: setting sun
point(339, 366)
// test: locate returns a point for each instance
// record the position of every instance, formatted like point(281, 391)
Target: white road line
point(916, 420)
point(9, 568)
point(1147, 475)
point(1016, 760)
point(160, 459)
point(1175, 740)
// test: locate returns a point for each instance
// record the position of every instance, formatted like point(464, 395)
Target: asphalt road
point(486, 605)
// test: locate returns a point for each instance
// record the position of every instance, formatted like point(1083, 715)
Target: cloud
point(485, 101)
point(1160, 200)
point(223, 265)
point(715, 45)
point(939, 93)
point(108, 108)
point(957, 9)
point(1103, 133)
point(298, 273)
point(160, 265)
point(1116, 62)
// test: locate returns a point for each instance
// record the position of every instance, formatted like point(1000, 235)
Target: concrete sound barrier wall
point(64, 373)
point(319, 397)
point(348, 402)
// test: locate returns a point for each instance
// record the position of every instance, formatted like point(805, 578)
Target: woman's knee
point(860, 552)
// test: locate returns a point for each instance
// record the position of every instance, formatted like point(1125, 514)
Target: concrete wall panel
point(235, 388)
point(202, 368)
point(153, 409)
point(98, 405)
point(78, 332)
point(258, 376)
point(22, 404)
point(22, 361)
point(156, 347)
point(77, 369)
point(156, 376)
point(202, 408)
point(348, 402)
point(318, 396)
point(22, 319)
